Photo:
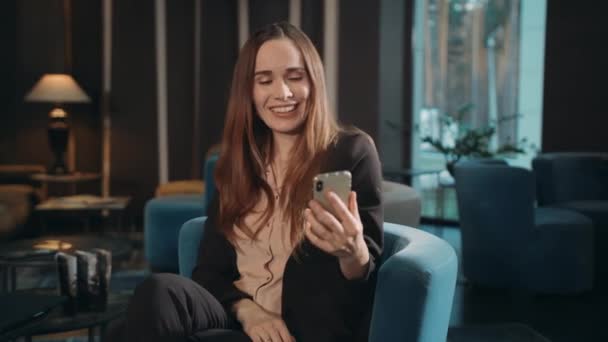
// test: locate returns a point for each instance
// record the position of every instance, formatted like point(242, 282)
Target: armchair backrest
point(498, 200)
point(564, 177)
point(496, 210)
point(483, 161)
point(402, 204)
point(208, 176)
point(415, 288)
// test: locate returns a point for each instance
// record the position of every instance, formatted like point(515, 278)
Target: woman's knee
point(168, 304)
point(153, 299)
point(157, 286)
point(158, 282)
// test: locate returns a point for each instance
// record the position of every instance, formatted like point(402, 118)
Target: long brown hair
point(247, 141)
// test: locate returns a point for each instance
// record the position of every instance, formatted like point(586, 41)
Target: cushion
point(595, 210)
point(558, 216)
point(181, 187)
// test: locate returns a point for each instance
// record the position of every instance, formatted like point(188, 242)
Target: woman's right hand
point(261, 325)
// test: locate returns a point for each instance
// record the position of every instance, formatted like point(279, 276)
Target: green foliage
point(471, 142)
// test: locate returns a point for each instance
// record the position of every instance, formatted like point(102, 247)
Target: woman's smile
point(285, 109)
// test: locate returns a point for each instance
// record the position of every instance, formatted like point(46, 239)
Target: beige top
point(261, 262)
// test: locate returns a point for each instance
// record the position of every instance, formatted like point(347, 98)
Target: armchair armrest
point(414, 291)
point(190, 236)
point(19, 201)
point(19, 174)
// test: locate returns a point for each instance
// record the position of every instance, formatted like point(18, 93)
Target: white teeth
point(283, 109)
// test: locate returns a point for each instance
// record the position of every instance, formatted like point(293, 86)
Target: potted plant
point(460, 141)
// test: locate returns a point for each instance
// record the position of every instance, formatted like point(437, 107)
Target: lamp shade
point(57, 88)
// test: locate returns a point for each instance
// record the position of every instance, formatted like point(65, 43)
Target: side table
point(405, 176)
point(72, 179)
point(85, 206)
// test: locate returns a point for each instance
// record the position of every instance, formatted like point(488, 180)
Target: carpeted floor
point(506, 332)
point(50, 338)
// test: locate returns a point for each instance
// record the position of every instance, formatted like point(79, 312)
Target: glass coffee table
point(22, 311)
point(94, 322)
point(40, 253)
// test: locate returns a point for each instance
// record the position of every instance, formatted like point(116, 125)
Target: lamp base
point(58, 168)
point(58, 133)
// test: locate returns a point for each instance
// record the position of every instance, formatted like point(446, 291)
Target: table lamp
point(57, 89)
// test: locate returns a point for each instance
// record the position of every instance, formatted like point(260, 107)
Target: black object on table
point(40, 253)
point(23, 311)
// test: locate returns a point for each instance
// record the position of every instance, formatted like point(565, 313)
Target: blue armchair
point(164, 216)
point(508, 243)
point(579, 182)
point(415, 288)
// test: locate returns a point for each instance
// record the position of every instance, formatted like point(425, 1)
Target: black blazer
point(318, 303)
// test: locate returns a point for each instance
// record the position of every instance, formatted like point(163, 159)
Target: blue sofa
point(415, 289)
point(164, 216)
point(507, 242)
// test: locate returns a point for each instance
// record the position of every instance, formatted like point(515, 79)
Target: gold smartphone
point(338, 182)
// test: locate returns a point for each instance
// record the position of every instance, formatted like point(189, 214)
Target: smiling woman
point(274, 265)
point(281, 86)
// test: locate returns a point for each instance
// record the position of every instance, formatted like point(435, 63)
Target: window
point(471, 68)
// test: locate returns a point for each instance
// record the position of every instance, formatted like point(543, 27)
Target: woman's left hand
point(340, 235)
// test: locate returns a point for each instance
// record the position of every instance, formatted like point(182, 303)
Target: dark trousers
point(167, 307)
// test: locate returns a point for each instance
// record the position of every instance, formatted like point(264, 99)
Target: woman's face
point(281, 86)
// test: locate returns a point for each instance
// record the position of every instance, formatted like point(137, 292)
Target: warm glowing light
point(57, 245)
point(57, 88)
point(58, 113)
